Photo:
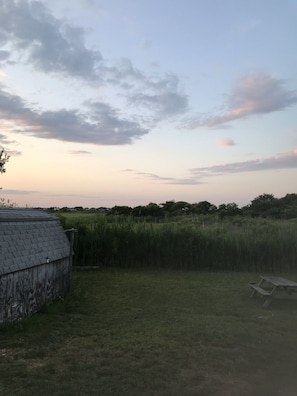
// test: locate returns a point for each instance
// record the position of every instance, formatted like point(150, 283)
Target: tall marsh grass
point(200, 243)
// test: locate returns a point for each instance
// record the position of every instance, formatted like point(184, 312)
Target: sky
point(127, 102)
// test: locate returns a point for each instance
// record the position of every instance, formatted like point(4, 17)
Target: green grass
point(153, 333)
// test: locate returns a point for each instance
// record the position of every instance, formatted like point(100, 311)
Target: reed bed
point(198, 243)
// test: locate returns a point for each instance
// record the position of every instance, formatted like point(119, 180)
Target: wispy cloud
point(18, 192)
point(253, 94)
point(162, 105)
point(286, 160)
point(159, 95)
point(200, 175)
point(163, 179)
point(14, 153)
point(4, 139)
point(80, 152)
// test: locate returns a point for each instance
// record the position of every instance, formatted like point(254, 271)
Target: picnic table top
point(278, 281)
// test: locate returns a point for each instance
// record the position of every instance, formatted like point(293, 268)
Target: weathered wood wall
point(35, 262)
point(23, 293)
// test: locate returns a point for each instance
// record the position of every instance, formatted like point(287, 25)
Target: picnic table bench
point(271, 286)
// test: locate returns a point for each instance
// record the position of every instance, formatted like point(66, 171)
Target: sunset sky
point(126, 102)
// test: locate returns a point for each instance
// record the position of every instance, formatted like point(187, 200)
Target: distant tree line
point(265, 205)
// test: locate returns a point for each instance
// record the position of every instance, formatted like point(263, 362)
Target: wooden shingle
point(29, 238)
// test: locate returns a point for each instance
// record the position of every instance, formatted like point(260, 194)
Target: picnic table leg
point(259, 284)
point(268, 300)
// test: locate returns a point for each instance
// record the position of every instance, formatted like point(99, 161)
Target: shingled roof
point(30, 238)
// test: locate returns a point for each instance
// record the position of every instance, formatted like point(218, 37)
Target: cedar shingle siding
point(35, 264)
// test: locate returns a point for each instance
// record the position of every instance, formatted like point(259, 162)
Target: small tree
point(4, 157)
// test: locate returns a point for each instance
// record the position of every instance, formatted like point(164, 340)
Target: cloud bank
point(31, 35)
point(45, 42)
point(99, 124)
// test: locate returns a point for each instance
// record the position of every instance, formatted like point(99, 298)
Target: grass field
point(153, 333)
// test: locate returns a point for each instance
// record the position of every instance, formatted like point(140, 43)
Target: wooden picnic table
point(271, 286)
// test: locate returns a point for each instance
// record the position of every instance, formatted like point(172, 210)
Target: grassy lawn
point(154, 333)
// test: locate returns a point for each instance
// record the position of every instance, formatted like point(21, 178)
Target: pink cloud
point(253, 94)
point(287, 160)
point(225, 142)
